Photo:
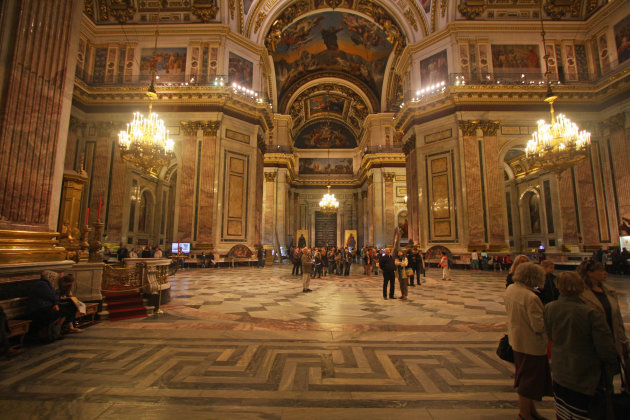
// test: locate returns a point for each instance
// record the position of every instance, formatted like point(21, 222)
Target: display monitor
point(185, 246)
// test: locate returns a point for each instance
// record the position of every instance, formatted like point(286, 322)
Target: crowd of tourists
point(568, 339)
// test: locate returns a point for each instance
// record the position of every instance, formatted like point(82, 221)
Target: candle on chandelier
point(98, 216)
point(87, 217)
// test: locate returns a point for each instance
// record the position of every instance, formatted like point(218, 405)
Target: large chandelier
point(145, 143)
point(560, 144)
point(328, 204)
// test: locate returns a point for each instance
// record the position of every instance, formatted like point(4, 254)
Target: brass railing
point(138, 277)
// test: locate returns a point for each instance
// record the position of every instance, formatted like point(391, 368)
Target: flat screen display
point(185, 246)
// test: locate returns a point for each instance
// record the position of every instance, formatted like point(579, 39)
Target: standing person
point(133, 253)
point(122, 252)
point(422, 269)
point(366, 260)
point(376, 256)
point(307, 268)
point(401, 269)
point(603, 298)
point(412, 263)
point(317, 261)
point(517, 261)
point(324, 254)
point(474, 260)
point(386, 262)
point(261, 256)
point(347, 262)
point(297, 262)
point(583, 349)
point(550, 292)
point(446, 272)
point(484, 260)
point(526, 332)
point(157, 252)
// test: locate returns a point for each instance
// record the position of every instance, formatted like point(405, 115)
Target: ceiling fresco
point(339, 43)
point(325, 133)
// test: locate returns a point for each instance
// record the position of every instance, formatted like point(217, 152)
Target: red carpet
point(126, 304)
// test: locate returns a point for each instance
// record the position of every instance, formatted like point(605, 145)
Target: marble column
point(370, 210)
point(116, 203)
point(187, 181)
point(472, 176)
point(363, 217)
point(208, 162)
point(619, 146)
point(494, 186)
point(39, 44)
point(389, 222)
point(411, 171)
point(269, 208)
point(282, 207)
point(568, 212)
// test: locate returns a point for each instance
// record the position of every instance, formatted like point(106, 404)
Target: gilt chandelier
point(560, 144)
point(328, 204)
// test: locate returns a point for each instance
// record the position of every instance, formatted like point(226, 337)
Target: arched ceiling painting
point(332, 44)
point(325, 133)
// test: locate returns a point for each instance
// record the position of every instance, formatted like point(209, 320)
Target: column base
point(20, 246)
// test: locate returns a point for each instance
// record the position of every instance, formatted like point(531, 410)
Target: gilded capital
point(205, 10)
point(370, 180)
point(363, 194)
point(489, 128)
point(210, 128)
point(270, 176)
point(389, 176)
point(468, 127)
point(189, 128)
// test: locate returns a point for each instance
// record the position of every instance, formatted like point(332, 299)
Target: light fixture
point(328, 204)
point(560, 144)
point(145, 143)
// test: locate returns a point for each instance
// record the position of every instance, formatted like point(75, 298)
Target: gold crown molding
point(210, 128)
point(270, 176)
point(558, 11)
point(19, 246)
point(471, 9)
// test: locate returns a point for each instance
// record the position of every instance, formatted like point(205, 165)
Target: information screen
point(185, 246)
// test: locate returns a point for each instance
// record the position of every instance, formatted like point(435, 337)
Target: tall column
point(207, 161)
point(568, 211)
point(38, 44)
point(473, 181)
point(389, 222)
point(411, 169)
point(370, 210)
point(187, 181)
point(494, 182)
point(364, 238)
point(619, 148)
point(282, 207)
point(115, 203)
point(269, 208)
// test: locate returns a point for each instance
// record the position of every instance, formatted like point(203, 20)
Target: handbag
point(504, 349)
point(410, 271)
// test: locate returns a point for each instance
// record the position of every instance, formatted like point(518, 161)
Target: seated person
point(68, 306)
point(44, 309)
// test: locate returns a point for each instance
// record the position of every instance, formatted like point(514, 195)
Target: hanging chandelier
point(328, 204)
point(560, 144)
point(145, 143)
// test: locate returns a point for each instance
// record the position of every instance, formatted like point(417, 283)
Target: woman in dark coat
point(44, 309)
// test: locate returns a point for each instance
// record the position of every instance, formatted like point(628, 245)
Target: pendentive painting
point(434, 69)
point(240, 71)
point(326, 104)
point(515, 58)
point(332, 42)
point(325, 134)
point(622, 39)
point(321, 166)
point(170, 64)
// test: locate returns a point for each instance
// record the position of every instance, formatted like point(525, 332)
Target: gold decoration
point(471, 9)
point(103, 10)
point(18, 246)
point(443, 7)
point(97, 242)
point(189, 128)
point(232, 7)
point(89, 9)
point(259, 20)
point(206, 10)
point(489, 128)
point(389, 176)
point(69, 211)
point(410, 144)
point(210, 128)
point(469, 128)
point(559, 9)
point(270, 176)
point(121, 11)
point(328, 204)
point(411, 19)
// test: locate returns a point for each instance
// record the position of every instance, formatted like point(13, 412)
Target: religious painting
point(325, 134)
point(326, 104)
point(403, 225)
point(302, 235)
point(319, 166)
point(434, 70)
point(170, 64)
point(100, 61)
point(350, 238)
point(622, 39)
point(515, 58)
point(332, 42)
point(240, 71)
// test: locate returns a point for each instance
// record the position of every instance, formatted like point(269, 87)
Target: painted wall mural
point(240, 71)
point(622, 39)
point(515, 58)
point(321, 166)
point(326, 104)
point(434, 69)
point(325, 134)
point(332, 42)
point(170, 64)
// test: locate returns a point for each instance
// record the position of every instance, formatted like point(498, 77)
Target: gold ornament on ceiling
point(558, 9)
point(411, 19)
point(206, 10)
point(471, 9)
point(122, 10)
point(89, 9)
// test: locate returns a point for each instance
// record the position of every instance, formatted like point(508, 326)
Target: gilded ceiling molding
point(411, 19)
point(443, 7)
point(89, 10)
point(232, 8)
point(410, 145)
point(103, 10)
point(471, 9)
point(489, 128)
point(557, 11)
point(122, 11)
point(270, 176)
point(210, 128)
point(206, 10)
point(468, 127)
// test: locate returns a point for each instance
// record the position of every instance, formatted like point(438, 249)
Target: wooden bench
point(14, 310)
point(90, 311)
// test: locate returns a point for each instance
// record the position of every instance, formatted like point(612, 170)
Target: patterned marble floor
point(246, 343)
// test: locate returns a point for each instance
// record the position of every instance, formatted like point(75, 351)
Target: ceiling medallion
point(206, 10)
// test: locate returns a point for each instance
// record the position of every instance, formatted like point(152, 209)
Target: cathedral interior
point(415, 114)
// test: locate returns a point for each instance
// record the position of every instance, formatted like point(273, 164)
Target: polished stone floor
point(246, 343)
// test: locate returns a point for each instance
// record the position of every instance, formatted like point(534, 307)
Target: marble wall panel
point(494, 192)
point(187, 188)
point(235, 197)
point(472, 175)
point(587, 202)
point(440, 197)
point(620, 150)
point(568, 211)
point(206, 189)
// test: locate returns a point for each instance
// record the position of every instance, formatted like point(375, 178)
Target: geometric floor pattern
point(246, 343)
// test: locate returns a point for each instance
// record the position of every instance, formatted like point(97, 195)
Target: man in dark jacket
point(122, 252)
point(388, 267)
point(44, 309)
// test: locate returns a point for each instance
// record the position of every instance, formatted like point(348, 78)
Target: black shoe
point(385, 297)
point(412, 285)
point(392, 297)
point(308, 290)
point(304, 291)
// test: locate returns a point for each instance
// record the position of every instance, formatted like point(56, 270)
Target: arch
point(145, 211)
point(530, 205)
